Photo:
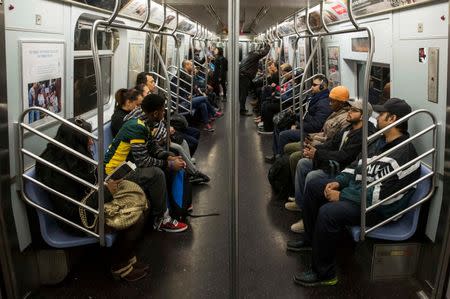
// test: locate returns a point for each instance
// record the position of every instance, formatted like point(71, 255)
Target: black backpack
point(280, 178)
point(180, 194)
point(284, 120)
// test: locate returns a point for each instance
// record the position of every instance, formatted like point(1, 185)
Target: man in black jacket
point(327, 159)
point(247, 71)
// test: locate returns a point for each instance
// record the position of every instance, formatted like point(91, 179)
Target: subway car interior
point(224, 149)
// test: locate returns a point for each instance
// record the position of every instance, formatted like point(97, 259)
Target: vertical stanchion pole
point(233, 148)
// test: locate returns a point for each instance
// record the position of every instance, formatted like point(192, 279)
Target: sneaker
point(199, 178)
point(218, 114)
point(208, 128)
point(298, 245)
point(298, 227)
point(128, 273)
point(171, 225)
point(311, 279)
point(190, 208)
point(261, 125)
point(262, 132)
point(291, 198)
point(138, 265)
point(292, 206)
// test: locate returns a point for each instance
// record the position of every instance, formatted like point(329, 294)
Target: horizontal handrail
point(373, 206)
point(59, 144)
point(68, 198)
point(158, 75)
point(173, 84)
point(65, 172)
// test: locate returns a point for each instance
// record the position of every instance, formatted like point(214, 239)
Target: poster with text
point(42, 78)
point(333, 69)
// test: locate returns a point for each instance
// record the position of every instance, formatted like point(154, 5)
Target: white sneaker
point(298, 227)
point(292, 199)
point(261, 125)
point(292, 206)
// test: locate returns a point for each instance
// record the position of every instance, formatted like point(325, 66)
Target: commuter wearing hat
point(326, 160)
point(333, 125)
point(317, 110)
point(330, 205)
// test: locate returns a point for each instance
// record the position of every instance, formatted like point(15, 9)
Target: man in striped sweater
point(134, 142)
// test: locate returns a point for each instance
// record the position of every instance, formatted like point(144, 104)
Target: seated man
point(134, 142)
point(316, 112)
point(334, 124)
point(325, 160)
point(199, 103)
point(331, 205)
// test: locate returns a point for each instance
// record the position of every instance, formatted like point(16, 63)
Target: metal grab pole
point(177, 61)
point(308, 64)
point(101, 154)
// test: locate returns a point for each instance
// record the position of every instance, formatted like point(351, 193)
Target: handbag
point(127, 206)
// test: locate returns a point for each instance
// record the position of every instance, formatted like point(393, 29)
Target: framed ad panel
point(333, 67)
point(42, 78)
point(136, 62)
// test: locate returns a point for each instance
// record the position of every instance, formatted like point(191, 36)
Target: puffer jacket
point(318, 111)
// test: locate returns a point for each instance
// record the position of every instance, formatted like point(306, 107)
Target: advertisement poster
point(136, 58)
point(42, 78)
point(333, 70)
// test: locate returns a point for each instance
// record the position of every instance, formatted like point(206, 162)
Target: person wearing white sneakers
point(326, 160)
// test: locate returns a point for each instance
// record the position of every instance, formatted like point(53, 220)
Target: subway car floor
point(195, 264)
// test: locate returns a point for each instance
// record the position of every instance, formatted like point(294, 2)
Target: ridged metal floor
point(195, 264)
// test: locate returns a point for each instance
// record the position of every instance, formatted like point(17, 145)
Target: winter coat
point(333, 125)
point(350, 178)
point(317, 112)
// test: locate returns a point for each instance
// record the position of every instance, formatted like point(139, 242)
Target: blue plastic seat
point(405, 227)
point(107, 134)
point(52, 231)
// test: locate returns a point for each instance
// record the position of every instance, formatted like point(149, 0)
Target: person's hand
point(332, 186)
point(312, 151)
point(178, 164)
point(113, 186)
point(332, 195)
point(273, 85)
point(172, 130)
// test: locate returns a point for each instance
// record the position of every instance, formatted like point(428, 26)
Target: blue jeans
point(304, 173)
point(204, 108)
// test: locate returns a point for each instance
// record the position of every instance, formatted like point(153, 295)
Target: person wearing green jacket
point(331, 205)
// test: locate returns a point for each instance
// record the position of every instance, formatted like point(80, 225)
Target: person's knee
point(327, 214)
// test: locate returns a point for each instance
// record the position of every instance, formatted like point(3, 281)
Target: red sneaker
point(218, 114)
point(173, 226)
point(208, 128)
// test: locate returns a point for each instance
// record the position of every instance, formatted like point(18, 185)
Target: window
point(85, 87)
point(379, 78)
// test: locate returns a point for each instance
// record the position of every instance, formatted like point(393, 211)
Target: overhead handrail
point(147, 14)
point(324, 25)
point(22, 175)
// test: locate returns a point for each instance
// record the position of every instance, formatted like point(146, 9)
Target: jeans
point(324, 221)
point(186, 157)
point(286, 137)
point(191, 135)
point(303, 175)
point(204, 108)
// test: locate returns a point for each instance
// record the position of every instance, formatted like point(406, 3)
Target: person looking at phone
point(134, 142)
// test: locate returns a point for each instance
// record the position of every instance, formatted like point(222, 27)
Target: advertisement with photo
point(333, 69)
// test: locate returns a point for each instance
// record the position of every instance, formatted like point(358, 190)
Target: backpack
point(284, 120)
point(180, 195)
point(280, 178)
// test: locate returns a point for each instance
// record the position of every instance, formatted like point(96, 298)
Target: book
point(121, 171)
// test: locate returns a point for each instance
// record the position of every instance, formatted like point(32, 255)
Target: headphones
point(323, 81)
point(321, 87)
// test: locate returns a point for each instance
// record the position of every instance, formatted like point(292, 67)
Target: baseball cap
point(358, 104)
point(394, 106)
point(339, 93)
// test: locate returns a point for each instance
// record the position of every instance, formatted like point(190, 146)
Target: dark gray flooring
point(195, 264)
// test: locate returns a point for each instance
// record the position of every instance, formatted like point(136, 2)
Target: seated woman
point(121, 255)
point(126, 101)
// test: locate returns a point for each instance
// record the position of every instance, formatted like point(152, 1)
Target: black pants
point(153, 181)
point(324, 221)
point(244, 83)
point(124, 247)
point(269, 109)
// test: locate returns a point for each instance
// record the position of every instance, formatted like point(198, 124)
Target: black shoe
point(311, 279)
point(269, 159)
point(199, 178)
point(245, 113)
point(298, 245)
